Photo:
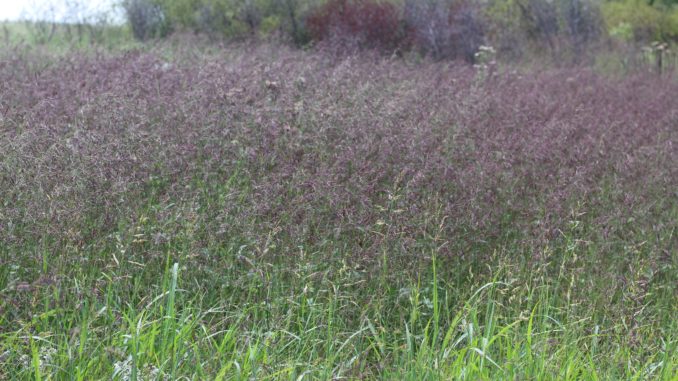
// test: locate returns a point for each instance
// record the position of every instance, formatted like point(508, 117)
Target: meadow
point(256, 212)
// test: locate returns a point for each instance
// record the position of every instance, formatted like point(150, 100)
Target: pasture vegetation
point(184, 211)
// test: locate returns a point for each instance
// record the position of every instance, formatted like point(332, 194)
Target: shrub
point(237, 18)
point(558, 27)
point(146, 18)
point(219, 19)
point(210, 20)
point(638, 21)
point(445, 29)
point(182, 13)
point(582, 23)
point(357, 23)
point(290, 12)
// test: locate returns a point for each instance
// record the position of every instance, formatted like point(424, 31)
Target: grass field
point(253, 212)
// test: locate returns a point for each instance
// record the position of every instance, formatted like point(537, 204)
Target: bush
point(445, 29)
point(562, 28)
point(291, 21)
point(147, 18)
point(582, 23)
point(210, 20)
point(237, 18)
point(357, 23)
point(638, 21)
point(219, 19)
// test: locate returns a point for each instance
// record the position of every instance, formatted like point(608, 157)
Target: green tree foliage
point(221, 18)
point(565, 29)
point(517, 25)
point(147, 18)
point(641, 20)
